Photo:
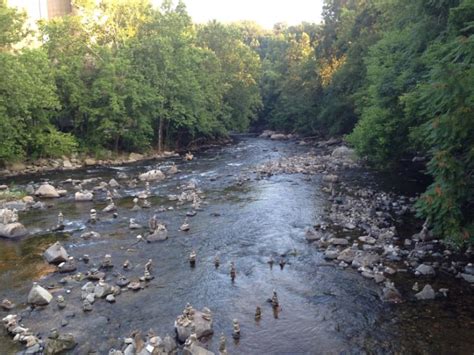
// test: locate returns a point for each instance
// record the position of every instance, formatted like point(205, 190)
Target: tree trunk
point(160, 134)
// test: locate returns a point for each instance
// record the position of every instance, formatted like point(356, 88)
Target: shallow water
point(325, 310)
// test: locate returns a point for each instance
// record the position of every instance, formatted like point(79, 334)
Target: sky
point(264, 12)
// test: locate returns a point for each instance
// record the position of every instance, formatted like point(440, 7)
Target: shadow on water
point(325, 310)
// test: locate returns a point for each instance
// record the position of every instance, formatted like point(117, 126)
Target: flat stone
point(339, 241)
point(426, 270)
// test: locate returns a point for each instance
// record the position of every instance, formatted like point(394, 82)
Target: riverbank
point(276, 209)
point(76, 161)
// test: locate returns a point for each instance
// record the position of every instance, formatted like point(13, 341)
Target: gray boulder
point(56, 254)
point(426, 270)
point(39, 296)
point(103, 289)
point(160, 234)
point(339, 241)
point(278, 136)
point(47, 191)
point(199, 325)
point(347, 255)
point(83, 196)
point(468, 277)
point(426, 294)
point(12, 230)
point(60, 344)
point(364, 259)
point(331, 254)
point(152, 175)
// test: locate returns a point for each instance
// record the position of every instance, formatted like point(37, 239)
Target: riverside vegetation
point(395, 77)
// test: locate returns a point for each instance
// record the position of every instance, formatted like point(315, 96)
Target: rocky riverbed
point(175, 255)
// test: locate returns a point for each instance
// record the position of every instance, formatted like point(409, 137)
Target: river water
point(325, 310)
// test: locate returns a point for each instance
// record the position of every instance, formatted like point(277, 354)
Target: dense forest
point(395, 78)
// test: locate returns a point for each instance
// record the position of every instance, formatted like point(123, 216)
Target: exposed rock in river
point(39, 296)
point(47, 191)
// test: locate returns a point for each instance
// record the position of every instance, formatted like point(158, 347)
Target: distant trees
point(121, 76)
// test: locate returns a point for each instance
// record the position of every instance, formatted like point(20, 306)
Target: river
point(324, 309)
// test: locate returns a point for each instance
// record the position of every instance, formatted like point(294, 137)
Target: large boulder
point(364, 259)
point(152, 175)
point(56, 254)
point(12, 230)
point(160, 234)
point(426, 294)
point(426, 270)
point(83, 196)
point(266, 134)
point(201, 325)
point(39, 296)
point(90, 162)
point(278, 136)
point(347, 255)
point(60, 344)
point(47, 191)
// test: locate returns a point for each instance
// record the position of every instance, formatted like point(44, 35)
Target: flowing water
point(325, 310)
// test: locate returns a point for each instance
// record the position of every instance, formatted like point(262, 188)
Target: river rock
point(426, 294)
point(347, 255)
point(266, 134)
point(114, 184)
point(391, 294)
point(172, 170)
point(339, 241)
point(195, 349)
point(331, 254)
point(47, 191)
point(133, 157)
point(330, 178)
point(90, 235)
point(12, 230)
point(426, 270)
point(278, 136)
point(103, 289)
point(60, 344)
point(160, 234)
point(365, 259)
point(312, 235)
point(67, 164)
point(56, 254)
point(152, 175)
point(39, 296)
point(199, 325)
point(468, 277)
point(90, 162)
point(83, 196)
point(343, 152)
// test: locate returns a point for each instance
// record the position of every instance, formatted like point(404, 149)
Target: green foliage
point(445, 101)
